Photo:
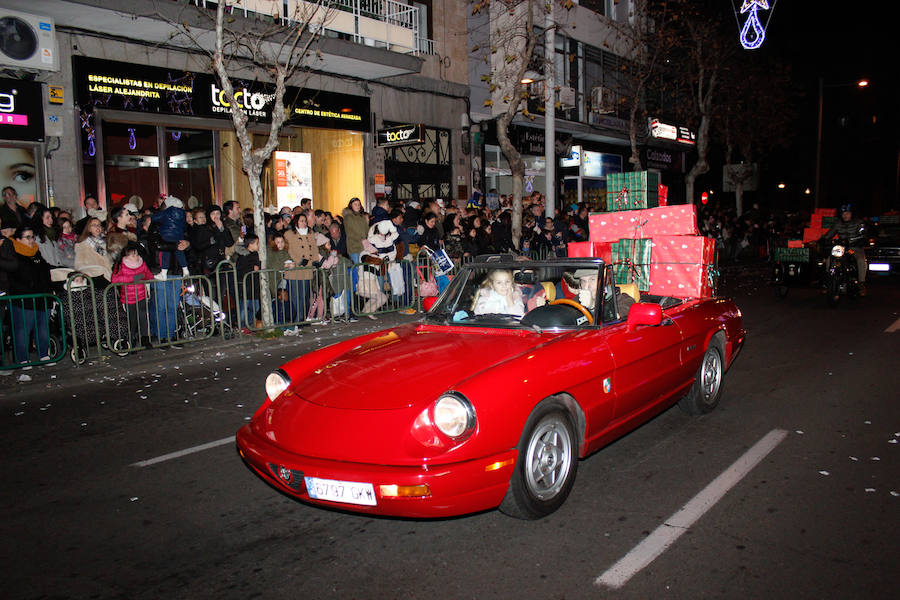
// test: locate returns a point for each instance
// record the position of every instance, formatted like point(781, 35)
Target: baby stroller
point(84, 309)
point(198, 314)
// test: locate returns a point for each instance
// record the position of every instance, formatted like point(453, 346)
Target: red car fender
point(505, 395)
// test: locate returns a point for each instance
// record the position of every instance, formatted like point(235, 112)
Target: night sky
point(842, 44)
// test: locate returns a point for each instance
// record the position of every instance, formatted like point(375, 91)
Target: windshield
point(530, 294)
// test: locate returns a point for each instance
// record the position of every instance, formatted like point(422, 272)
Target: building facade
point(132, 111)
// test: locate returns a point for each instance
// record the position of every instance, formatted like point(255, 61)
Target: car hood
point(406, 365)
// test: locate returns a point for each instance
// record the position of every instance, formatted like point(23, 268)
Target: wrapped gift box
point(815, 222)
point(680, 219)
point(632, 190)
point(682, 280)
point(828, 222)
point(591, 249)
point(795, 244)
point(811, 234)
point(792, 254)
point(824, 212)
point(631, 261)
point(683, 249)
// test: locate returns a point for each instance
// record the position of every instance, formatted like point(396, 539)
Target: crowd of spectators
point(130, 244)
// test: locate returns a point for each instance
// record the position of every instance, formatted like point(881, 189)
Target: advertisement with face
point(17, 170)
point(293, 177)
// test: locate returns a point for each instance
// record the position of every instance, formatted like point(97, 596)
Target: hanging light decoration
point(132, 141)
point(176, 135)
point(753, 32)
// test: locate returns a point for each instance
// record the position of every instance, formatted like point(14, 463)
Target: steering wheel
point(576, 305)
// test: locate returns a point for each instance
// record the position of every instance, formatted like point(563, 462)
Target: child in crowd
point(172, 222)
point(246, 261)
point(499, 295)
point(130, 268)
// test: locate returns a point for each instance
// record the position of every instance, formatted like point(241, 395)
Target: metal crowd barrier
point(32, 330)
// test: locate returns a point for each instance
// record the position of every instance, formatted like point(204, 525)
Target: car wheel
point(546, 467)
point(707, 389)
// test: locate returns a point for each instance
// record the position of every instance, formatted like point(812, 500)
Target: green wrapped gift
point(631, 262)
point(792, 254)
point(632, 191)
point(828, 222)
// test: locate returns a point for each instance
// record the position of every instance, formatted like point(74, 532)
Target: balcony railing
point(381, 23)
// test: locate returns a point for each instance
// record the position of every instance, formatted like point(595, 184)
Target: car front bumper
point(455, 489)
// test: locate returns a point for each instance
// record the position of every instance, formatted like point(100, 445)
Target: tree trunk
point(517, 166)
point(635, 159)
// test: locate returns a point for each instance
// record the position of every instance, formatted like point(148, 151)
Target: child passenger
point(499, 295)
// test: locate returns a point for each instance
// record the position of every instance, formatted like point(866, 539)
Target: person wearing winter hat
point(172, 223)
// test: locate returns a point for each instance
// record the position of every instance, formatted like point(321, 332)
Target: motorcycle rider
point(848, 228)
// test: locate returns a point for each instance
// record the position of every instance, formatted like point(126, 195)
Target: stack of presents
point(820, 222)
point(655, 246)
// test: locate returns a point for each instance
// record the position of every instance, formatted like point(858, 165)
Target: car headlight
point(276, 383)
point(837, 251)
point(454, 415)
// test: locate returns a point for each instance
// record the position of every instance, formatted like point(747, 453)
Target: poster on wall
point(293, 177)
point(18, 170)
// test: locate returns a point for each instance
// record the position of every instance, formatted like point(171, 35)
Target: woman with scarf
point(91, 257)
point(301, 246)
point(356, 228)
point(31, 275)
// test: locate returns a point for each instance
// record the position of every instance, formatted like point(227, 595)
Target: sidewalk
point(65, 374)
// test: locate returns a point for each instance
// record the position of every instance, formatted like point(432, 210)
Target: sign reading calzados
point(403, 135)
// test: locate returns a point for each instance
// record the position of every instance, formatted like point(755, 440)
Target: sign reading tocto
point(403, 135)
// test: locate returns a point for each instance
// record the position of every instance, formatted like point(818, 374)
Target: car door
point(647, 363)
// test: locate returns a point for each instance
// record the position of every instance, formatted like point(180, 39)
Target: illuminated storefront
point(149, 131)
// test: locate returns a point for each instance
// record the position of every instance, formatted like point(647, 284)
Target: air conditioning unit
point(603, 101)
point(567, 97)
point(27, 41)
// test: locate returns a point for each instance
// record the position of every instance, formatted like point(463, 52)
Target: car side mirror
point(643, 313)
point(428, 302)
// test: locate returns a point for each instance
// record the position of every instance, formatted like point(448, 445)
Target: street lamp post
point(861, 83)
point(550, 115)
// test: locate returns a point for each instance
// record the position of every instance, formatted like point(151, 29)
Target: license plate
point(879, 267)
point(349, 492)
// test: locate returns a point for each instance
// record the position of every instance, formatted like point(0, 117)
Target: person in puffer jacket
point(130, 268)
point(172, 227)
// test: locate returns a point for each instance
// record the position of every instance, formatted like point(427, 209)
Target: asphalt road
point(818, 517)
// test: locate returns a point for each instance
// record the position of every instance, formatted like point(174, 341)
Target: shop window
point(190, 169)
point(131, 163)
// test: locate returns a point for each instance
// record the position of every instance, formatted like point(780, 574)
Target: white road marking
point(185, 452)
point(894, 327)
point(666, 534)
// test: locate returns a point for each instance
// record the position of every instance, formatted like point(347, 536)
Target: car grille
point(296, 482)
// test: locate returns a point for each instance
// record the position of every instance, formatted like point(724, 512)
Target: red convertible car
point(515, 373)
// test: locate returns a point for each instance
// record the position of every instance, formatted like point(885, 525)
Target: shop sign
point(21, 110)
point(664, 159)
point(140, 88)
point(402, 135)
point(56, 94)
point(668, 131)
point(600, 164)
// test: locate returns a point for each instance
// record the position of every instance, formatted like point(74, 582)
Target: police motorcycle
point(841, 277)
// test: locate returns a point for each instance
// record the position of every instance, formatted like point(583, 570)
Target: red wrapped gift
point(680, 219)
point(815, 222)
point(681, 249)
point(795, 244)
point(681, 280)
point(823, 212)
point(591, 249)
point(811, 234)
point(663, 195)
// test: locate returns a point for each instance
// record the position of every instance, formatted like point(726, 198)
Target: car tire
point(548, 461)
point(704, 395)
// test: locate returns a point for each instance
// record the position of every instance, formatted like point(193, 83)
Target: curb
point(66, 374)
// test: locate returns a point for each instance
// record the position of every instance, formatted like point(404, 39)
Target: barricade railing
point(32, 330)
point(81, 302)
point(298, 295)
